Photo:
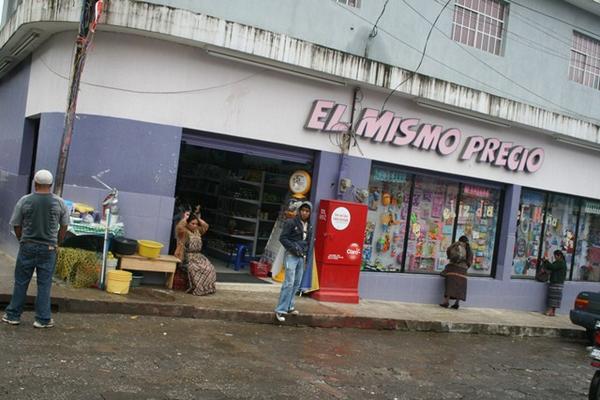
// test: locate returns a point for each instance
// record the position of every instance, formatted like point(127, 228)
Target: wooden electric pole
point(86, 30)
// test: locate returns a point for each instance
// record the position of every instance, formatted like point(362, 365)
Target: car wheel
point(594, 387)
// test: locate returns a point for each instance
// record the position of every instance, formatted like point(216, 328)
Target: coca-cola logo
point(354, 251)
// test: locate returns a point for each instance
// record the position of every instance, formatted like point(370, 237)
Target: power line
point(374, 30)
point(120, 89)
point(534, 24)
point(422, 56)
point(457, 71)
point(496, 70)
point(554, 18)
point(537, 46)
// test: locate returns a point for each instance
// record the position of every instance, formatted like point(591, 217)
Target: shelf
point(200, 178)
point(249, 201)
point(263, 238)
point(277, 185)
point(199, 191)
point(268, 220)
point(271, 203)
point(218, 251)
point(251, 183)
point(238, 218)
point(218, 232)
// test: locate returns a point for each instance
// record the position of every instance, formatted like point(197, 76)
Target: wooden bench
point(163, 263)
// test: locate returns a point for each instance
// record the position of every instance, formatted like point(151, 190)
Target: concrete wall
point(537, 47)
point(14, 175)
point(141, 160)
point(221, 96)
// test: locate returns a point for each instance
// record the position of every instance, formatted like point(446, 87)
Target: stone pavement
point(255, 302)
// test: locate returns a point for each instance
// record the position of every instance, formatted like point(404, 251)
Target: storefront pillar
point(508, 232)
point(327, 172)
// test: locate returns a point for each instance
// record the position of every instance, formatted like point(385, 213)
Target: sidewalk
point(255, 302)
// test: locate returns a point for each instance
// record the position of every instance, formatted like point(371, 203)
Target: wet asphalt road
point(114, 357)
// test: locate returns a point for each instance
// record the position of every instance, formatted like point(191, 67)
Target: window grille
point(351, 3)
point(585, 61)
point(480, 24)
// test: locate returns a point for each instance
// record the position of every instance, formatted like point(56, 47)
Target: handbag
point(444, 272)
point(542, 274)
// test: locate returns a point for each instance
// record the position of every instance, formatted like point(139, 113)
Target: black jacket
point(291, 237)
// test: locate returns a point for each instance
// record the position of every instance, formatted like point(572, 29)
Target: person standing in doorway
point(40, 221)
point(295, 238)
point(558, 274)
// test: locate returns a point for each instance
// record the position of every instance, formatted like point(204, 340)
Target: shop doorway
point(242, 190)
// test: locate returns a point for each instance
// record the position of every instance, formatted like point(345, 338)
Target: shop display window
point(389, 197)
point(419, 213)
point(431, 224)
point(560, 227)
point(478, 220)
point(529, 232)
point(587, 253)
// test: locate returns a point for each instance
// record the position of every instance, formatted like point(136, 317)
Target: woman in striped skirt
point(558, 273)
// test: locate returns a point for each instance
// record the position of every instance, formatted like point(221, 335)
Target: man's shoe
point(293, 311)
point(37, 324)
point(10, 321)
point(455, 306)
point(279, 317)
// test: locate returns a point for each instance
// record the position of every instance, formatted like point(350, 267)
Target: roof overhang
point(592, 6)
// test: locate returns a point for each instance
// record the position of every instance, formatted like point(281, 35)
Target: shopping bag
point(542, 274)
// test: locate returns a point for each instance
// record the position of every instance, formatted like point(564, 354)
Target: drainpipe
point(345, 145)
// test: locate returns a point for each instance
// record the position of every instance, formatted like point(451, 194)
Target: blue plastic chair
point(239, 257)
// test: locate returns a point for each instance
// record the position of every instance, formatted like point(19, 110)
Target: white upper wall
point(236, 99)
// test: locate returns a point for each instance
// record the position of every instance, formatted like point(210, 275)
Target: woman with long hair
point(558, 273)
point(201, 273)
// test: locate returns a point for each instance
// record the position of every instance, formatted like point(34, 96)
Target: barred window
point(585, 61)
point(480, 24)
point(351, 3)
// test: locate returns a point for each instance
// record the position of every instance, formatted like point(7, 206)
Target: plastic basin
point(149, 248)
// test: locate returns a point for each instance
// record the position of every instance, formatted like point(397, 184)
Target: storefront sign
point(386, 128)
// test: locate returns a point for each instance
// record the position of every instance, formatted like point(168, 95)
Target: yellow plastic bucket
point(117, 281)
point(149, 248)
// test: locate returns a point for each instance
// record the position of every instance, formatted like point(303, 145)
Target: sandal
point(445, 305)
point(455, 306)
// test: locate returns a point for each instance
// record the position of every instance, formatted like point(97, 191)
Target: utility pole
point(90, 12)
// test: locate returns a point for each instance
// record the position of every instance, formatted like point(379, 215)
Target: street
point(115, 357)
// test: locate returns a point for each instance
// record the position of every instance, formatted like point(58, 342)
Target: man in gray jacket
point(40, 221)
point(295, 238)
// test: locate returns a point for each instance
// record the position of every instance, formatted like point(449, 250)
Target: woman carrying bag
point(455, 273)
point(558, 274)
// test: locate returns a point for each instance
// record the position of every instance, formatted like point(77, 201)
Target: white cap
point(43, 177)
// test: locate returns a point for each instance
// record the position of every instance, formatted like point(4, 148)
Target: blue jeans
point(294, 269)
point(42, 259)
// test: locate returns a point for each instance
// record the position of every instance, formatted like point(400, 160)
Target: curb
point(308, 320)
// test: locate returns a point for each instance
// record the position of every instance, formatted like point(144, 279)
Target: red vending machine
point(338, 249)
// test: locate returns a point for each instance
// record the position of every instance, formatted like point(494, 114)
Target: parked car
point(586, 311)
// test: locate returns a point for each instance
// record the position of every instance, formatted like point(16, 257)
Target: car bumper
point(583, 318)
